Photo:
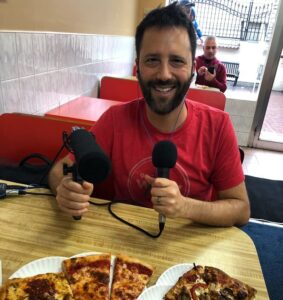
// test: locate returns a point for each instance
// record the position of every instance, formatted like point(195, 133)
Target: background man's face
point(210, 49)
point(165, 66)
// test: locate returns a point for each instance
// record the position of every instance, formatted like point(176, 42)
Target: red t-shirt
point(208, 155)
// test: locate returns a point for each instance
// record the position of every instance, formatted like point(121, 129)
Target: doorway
point(267, 127)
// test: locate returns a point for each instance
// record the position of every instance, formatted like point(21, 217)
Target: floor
point(263, 163)
point(272, 128)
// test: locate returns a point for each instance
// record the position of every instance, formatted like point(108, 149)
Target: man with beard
point(207, 183)
point(210, 71)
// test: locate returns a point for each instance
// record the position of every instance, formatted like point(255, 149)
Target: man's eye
point(151, 61)
point(177, 62)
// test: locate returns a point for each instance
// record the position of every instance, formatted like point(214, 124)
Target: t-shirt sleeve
point(228, 171)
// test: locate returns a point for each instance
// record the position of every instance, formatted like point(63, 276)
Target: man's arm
point(231, 208)
point(218, 79)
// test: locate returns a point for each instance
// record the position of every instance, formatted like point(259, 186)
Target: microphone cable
point(113, 214)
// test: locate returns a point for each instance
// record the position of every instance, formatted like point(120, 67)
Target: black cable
point(23, 192)
point(53, 161)
point(161, 225)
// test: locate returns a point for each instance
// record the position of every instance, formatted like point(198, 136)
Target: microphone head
point(93, 164)
point(164, 154)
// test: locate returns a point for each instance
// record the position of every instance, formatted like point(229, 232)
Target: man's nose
point(164, 71)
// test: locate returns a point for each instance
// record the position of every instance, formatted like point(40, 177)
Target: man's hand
point(208, 76)
point(72, 197)
point(166, 197)
point(202, 70)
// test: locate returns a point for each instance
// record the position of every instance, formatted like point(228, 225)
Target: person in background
point(191, 13)
point(207, 183)
point(210, 71)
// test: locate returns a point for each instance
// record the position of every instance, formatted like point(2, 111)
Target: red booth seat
point(119, 89)
point(23, 134)
point(123, 89)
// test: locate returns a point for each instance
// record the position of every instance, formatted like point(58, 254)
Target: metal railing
point(246, 20)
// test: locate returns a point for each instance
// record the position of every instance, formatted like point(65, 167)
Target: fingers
point(72, 197)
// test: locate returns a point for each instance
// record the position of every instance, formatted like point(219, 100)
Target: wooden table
point(33, 227)
point(85, 110)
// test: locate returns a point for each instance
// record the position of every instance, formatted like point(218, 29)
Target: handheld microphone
point(164, 157)
point(91, 163)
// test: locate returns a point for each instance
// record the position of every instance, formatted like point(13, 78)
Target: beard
point(163, 106)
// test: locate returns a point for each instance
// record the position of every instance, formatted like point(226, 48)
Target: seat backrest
point(212, 98)
point(119, 89)
point(231, 67)
point(23, 134)
point(122, 89)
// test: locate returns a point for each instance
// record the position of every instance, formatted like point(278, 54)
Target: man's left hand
point(208, 76)
point(166, 197)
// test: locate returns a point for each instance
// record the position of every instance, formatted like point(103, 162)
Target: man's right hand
point(73, 197)
point(202, 70)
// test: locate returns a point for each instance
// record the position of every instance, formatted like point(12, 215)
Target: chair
point(119, 89)
point(23, 134)
point(212, 98)
point(232, 71)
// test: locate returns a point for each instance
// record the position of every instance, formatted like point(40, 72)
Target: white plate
point(155, 292)
point(171, 275)
point(51, 264)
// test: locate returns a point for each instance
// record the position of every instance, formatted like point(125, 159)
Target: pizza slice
point(226, 286)
point(130, 278)
point(190, 284)
point(209, 283)
point(49, 286)
point(88, 276)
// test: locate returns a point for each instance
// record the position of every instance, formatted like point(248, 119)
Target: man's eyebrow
point(174, 56)
point(152, 55)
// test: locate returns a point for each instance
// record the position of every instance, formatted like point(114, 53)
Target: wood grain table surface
point(32, 227)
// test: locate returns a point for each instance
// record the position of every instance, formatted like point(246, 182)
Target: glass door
point(267, 127)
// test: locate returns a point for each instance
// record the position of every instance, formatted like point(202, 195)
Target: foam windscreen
point(164, 154)
point(93, 164)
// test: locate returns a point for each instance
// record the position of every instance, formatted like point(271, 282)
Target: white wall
point(40, 71)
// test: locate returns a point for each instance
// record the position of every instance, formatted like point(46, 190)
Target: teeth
point(167, 89)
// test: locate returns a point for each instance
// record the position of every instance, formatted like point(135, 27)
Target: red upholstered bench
point(123, 89)
point(23, 134)
point(119, 89)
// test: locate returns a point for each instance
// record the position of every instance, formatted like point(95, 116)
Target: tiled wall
point(39, 71)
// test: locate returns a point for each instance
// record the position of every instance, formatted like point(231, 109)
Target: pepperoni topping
point(136, 267)
point(99, 264)
point(40, 289)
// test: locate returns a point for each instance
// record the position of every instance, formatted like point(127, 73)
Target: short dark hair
point(168, 16)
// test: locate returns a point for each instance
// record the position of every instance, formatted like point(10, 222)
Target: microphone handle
point(162, 173)
point(77, 178)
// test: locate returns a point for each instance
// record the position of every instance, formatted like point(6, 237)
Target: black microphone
point(91, 163)
point(164, 157)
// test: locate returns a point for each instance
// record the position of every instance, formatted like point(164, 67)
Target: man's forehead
point(210, 42)
point(173, 36)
